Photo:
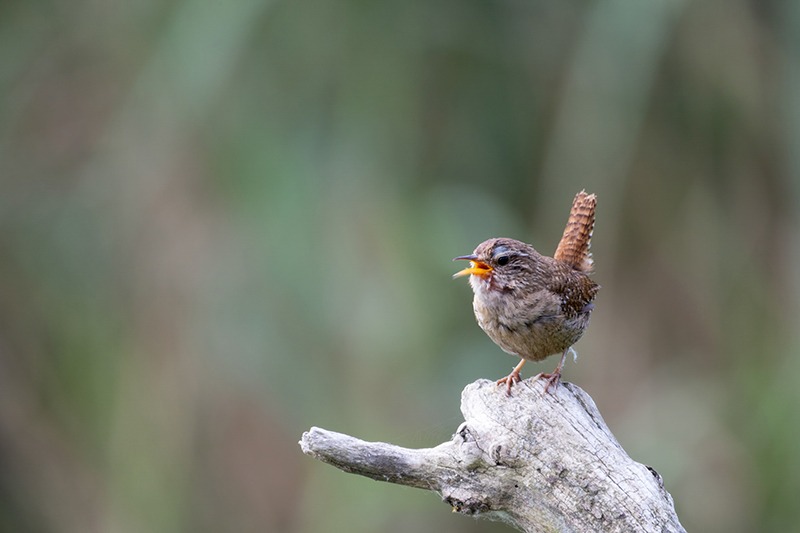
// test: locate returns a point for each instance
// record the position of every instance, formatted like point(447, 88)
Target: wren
point(531, 305)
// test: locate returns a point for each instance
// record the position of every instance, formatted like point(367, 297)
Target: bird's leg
point(512, 378)
point(554, 377)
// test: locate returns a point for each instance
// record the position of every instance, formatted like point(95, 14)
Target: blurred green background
point(225, 222)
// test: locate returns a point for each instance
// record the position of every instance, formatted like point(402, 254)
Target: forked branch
point(540, 462)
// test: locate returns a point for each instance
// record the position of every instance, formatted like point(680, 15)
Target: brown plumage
point(573, 249)
point(531, 305)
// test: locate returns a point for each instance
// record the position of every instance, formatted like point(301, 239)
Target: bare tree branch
point(540, 462)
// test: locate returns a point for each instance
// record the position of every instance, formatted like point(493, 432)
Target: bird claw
point(551, 379)
point(509, 380)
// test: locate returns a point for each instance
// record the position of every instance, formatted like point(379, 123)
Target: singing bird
point(531, 305)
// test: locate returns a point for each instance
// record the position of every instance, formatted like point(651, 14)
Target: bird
point(531, 305)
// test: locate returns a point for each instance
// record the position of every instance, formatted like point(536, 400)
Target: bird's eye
point(503, 260)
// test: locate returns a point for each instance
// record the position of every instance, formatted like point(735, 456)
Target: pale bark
point(538, 461)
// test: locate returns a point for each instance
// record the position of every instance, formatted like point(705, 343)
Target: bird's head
point(501, 263)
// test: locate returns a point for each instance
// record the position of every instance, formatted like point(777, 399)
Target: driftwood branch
point(540, 462)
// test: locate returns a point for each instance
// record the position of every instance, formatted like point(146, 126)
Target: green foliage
point(224, 222)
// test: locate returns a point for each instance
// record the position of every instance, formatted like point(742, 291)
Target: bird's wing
point(575, 289)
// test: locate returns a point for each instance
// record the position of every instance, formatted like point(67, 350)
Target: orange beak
point(476, 268)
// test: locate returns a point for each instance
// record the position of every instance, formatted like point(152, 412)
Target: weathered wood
point(540, 462)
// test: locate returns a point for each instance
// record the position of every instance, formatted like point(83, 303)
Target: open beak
point(475, 268)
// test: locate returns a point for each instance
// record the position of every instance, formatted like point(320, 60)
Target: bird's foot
point(550, 379)
point(509, 380)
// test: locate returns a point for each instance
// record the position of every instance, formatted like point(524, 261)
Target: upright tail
point(574, 246)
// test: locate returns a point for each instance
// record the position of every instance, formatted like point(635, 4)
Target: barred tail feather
point(576, 241)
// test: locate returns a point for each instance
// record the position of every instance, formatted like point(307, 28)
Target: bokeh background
point(222, 223)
